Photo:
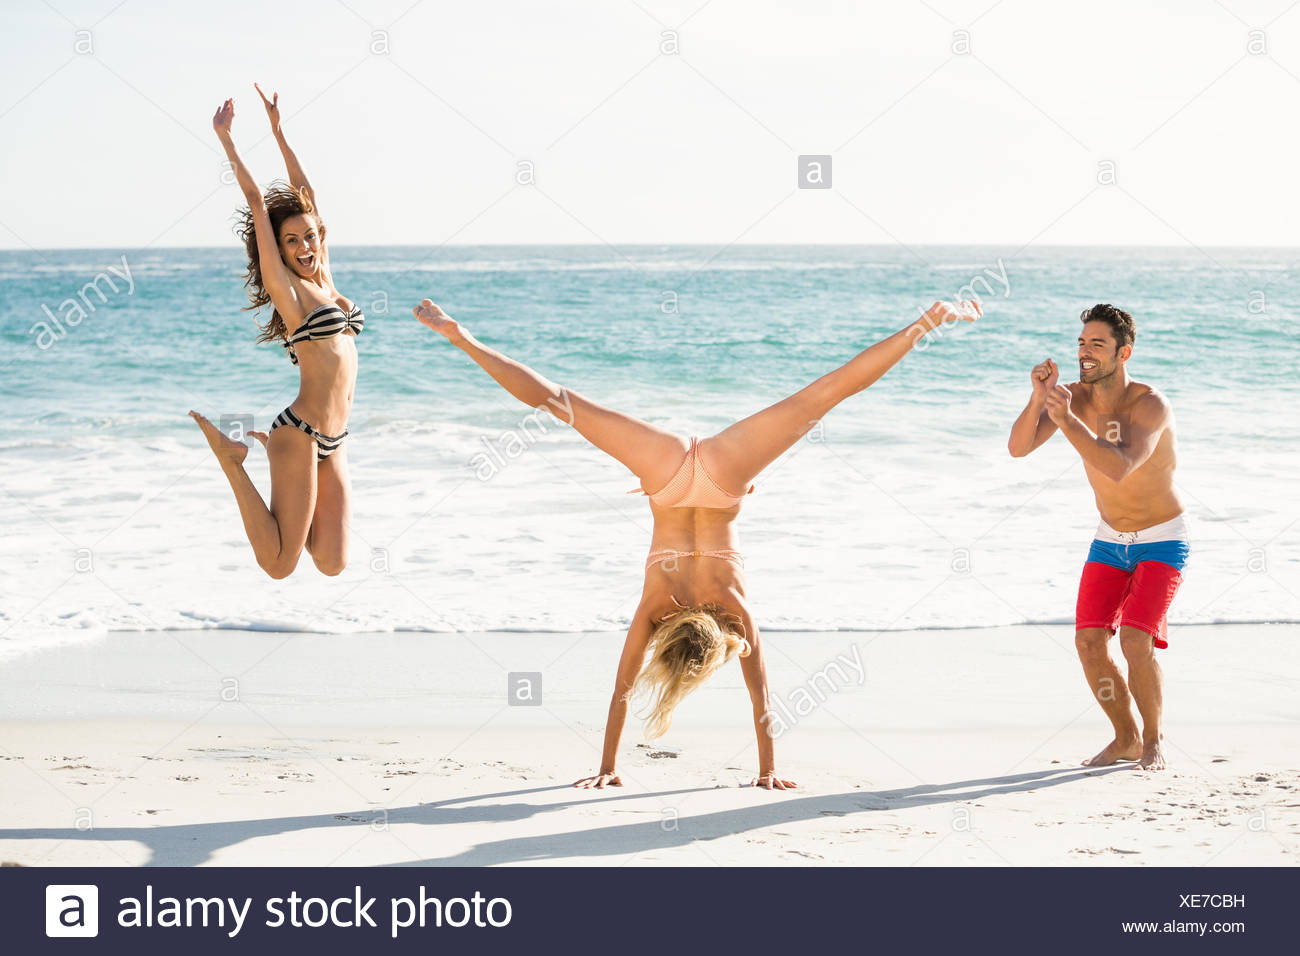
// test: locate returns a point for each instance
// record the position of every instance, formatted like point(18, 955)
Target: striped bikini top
point(323, 322)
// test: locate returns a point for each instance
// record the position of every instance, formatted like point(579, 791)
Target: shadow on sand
point(192, 844)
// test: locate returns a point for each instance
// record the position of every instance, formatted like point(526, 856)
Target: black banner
point(641, 910)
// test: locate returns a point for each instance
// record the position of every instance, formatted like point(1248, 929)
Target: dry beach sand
point(932, 748)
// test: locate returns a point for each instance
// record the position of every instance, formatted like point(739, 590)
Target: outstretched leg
point(736, 455)
point(277, 533)
point(650, 453)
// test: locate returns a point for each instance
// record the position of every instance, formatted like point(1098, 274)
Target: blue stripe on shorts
point(1126, 557)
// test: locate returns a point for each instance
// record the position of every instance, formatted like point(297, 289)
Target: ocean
point(903, 513)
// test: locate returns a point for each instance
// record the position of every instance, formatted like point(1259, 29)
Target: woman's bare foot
point(438, 320)
point(227, 450)
point(263, 437)
point(1153, 756)
point(945, 313)
point(1116, 751)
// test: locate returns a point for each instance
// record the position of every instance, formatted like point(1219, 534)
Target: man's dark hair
point(1120, 322)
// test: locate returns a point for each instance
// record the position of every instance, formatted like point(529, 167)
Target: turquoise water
point(750, 323)
point(96, 439)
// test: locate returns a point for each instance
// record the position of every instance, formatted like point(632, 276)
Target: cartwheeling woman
point(694, 614)
point(289, 269)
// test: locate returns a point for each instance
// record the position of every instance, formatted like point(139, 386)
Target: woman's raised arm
point(275, 277)
point(297, 178)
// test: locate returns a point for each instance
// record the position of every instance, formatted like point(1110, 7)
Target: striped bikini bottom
point(325, 444)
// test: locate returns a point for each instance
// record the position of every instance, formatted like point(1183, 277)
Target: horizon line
point(674, 244)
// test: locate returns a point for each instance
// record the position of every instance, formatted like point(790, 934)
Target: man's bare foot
point(429, 314)
point(1116, 751)
point(223, 446)
point(1153, 756)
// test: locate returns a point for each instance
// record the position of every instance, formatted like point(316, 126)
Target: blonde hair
point(686, 648)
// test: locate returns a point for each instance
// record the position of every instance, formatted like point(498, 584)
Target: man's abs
point(1146, 497)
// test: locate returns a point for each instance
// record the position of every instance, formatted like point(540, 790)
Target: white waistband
point(1175, 529)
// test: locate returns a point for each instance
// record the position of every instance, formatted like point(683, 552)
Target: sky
point(638, 121)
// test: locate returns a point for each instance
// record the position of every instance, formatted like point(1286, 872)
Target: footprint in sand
point(1109, 849)
point(810, 856)
point(661, 753)
point(300, 775)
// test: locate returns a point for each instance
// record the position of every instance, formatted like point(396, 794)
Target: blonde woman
point(289, 270)
point(694, 614)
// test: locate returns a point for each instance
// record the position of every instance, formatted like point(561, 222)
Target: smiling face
point(300, 244)
point(1100, 354)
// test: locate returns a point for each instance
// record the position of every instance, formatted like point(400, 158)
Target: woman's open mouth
point(307, 261)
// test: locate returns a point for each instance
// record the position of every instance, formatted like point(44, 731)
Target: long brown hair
point(687, 646)
point(282, 202)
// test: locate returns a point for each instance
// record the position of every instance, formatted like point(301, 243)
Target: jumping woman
point(289, 269)
point(694, 615)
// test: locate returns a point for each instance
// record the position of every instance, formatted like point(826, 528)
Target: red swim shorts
point(1111, 597)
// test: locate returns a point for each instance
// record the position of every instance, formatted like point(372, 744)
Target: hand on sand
point(601, 779)
point(770, 781)
point(224, 117)
point(429, 314)
point(1044, 377)
point(272, 106)
point(944, 313)
point(1058, 403)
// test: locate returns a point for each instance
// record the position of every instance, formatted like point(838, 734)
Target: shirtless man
point(1124, 432)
